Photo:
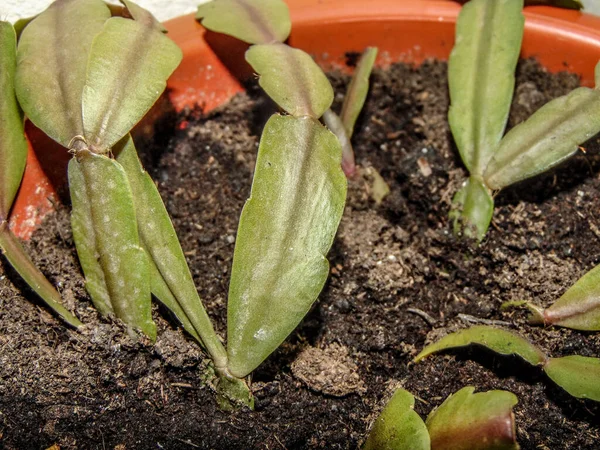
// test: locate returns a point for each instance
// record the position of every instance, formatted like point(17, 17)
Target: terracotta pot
point(404, 30)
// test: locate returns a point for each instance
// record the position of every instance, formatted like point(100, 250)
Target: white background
point(13, 10)
point(592, 6)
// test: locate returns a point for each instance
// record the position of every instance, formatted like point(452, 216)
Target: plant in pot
point(374, 319)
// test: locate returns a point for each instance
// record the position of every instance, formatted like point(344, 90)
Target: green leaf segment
point(298, 193)
point(104, 224)
point(170, 278)
point(13, 156)
point(286, 229)
point(577, 375)
point(469, 421)
point(481, 82)
point(398, 427)
point(358, 89)
point(343, 125)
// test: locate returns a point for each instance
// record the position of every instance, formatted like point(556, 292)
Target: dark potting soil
point(399, 280)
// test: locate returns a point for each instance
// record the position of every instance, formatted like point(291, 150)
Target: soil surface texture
point(399, 280)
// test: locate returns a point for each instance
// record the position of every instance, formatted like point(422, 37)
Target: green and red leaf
point(469, 421)
point(579, 307)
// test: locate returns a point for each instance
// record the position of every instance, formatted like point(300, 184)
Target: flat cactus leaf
point(84, 235)
point(579, 307)
point(158, 236)
point(358, 90)
point(336, 126)
point(481, 76)
point(472, 210)
point(13, 157)
point(18, 259)
point(578, 375)
point(469, 421)
point(110, 223)
point(129, 64)
point(292, 79)
point(13, 146)
point(52, 62)
point(161, 291)
point(286, 229)
point(495, 339)
point(551, 135)
point(251, 21)
point(398, 427)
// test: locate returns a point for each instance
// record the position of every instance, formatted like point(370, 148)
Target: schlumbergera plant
point(100, 76)
point(265, 24)
point(288, 224)
point(13, 156)
point(298, 194)
point(103, 68)
point(481, 82)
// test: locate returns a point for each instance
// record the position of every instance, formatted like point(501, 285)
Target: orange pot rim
point(407, 31)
